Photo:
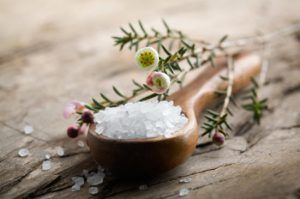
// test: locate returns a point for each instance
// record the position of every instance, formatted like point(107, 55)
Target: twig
point(230, 70)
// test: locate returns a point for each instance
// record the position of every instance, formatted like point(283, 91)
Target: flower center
point(146, 59)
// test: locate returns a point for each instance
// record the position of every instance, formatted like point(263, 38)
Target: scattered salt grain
point(23, 152)
point(28, 129)
point(46, 165)
point(80, 143)
point(93, 190)
point(143, 187)
point(75, 187)
point(95, 178)
point(185, 180)
point(78, 180)
point(140, 120)
point(47, 156)
point(184, 192)
point(60, 151)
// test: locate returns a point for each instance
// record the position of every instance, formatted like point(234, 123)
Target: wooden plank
point(62, 55)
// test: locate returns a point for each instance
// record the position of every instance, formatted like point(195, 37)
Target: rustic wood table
point(54, 51)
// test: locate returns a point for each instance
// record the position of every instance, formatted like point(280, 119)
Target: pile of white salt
point(140, 120)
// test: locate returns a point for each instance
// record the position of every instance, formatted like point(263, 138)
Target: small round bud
point(147, 58)
point(73, 131)
point(87, 117)
point(218, 138)
point(158, 82)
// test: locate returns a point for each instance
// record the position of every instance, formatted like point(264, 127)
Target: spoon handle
point(199, 93)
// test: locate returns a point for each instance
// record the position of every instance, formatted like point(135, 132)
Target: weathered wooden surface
point(54, 51)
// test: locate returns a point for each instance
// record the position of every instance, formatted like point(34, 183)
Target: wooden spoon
point(151, 156)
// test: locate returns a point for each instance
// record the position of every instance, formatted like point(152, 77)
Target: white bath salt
point(184, 192)
point(80, 143)
point(24, 152)
point(47, 156)
point(93, 190)
point(95, 178)
point(46, 165)
point(28, 129)
point(60, 151)
point(75, 187)
point(78, 180)
point(185, 180)
point(140, 120)
point(143, 187)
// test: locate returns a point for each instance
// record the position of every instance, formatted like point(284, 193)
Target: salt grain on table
point(23, 152)
point(184, 192)
point(185, 180)
point(80, 143)
point(28, 129)
point(47, 156)
point(60, 151)
point(78, 180)
point(46, 165)
point(75, 187)
point(140, 120)
point(93, 190)
point(143, 187)
point(95, 178)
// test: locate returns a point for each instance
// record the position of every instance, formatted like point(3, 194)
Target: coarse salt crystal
point(28, 129)
point(143, 187)
point(93, 190)
point(78, 180)
point(185, 180)
point(140, 120)
point(46, 165)
point(47, 156)
point(184, 192)
point(24, 152)
point(60, 151)
point(75, 187)
point(95, 178)
point(80, 143)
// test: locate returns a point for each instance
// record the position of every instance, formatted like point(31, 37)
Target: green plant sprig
point(139, 90)
point(133, 37)
point(253, 103)
point(217, 121)
point(195, 54)
point(170, 64)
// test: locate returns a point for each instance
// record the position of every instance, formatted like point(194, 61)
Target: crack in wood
point(8, 185)
point(22, 133)
point(292, 90)
point(176, 178)
point(200, 187)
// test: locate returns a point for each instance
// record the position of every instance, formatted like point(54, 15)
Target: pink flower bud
point(73, 107)
point(159, 82)
point(218, 138)
point(87, 117)
point(73, 131)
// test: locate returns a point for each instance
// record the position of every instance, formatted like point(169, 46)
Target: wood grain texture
point(54, 51)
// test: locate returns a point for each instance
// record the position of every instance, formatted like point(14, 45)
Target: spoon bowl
point(151, 156)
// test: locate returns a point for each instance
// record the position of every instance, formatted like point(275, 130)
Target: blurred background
point(52, 51)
